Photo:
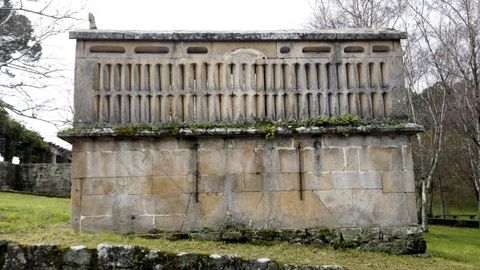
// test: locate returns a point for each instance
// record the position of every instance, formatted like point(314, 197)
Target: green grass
point(31, 219)
point(465, 209)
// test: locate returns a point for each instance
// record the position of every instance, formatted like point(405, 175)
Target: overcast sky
point(160, 15)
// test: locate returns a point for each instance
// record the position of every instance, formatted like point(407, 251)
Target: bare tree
point(24, 27)
point(455, 41)
point(418, 58)
point(357, 13)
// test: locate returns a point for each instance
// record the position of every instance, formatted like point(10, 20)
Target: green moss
point(268, 126)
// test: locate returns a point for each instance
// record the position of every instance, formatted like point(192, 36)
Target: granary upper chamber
point(138, 78)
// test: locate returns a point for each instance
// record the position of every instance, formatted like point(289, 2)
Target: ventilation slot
point(197, 50)
point(380, 49)
point(152, 49)
point(316, 49)
point(354, 49)
point(284, 50)
point(107, 49)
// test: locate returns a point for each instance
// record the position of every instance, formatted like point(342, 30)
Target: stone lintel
point(278, 35)
point(142, 131)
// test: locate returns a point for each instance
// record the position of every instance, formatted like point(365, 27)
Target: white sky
point(160, 15)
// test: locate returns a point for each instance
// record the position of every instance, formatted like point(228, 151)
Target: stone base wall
point(38, 178)
point(45, 256)
point(289, 182)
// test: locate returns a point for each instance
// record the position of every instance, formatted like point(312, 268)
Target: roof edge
point(277, 35)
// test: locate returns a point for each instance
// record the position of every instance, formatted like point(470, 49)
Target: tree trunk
point(443, 209)
point(419, 202)
point(430, 202)
point(424, 206)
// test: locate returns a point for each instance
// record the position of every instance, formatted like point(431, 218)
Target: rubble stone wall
point(37, 178)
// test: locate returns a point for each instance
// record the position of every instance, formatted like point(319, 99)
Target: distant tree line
point(28, 145)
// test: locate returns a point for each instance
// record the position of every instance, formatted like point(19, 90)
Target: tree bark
point(424, 206)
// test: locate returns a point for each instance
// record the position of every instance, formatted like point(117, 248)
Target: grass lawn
point(465, 209)
point(31, 219)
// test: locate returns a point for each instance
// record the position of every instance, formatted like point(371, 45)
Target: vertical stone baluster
point(201, 81)
point(280, 91)
point(212, 104)
point(302, 103)
point(269, 89)
point(225, 95)
point(188, 85)
point(250, 91)
point(260, 90)
point(238, 110)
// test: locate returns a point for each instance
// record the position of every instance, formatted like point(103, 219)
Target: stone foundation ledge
point(392, 240)
point(46, 256)
point(269, 131)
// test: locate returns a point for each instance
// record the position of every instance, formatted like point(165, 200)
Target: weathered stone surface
point(39, 178)
point(345, 34)
point(219, 130)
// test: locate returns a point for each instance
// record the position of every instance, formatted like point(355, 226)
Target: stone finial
point(91, 19)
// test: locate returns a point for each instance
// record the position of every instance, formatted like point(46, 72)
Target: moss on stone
point(345, 125)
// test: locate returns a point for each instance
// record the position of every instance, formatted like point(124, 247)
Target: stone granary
point(236, 134)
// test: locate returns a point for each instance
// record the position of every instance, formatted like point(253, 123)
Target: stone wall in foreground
point(173, 184)
point(45, 256)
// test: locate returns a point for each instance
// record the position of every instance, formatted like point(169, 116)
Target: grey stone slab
point(280, 35)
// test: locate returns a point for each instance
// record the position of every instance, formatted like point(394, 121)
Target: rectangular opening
point(197, 50)
point(354, 49)
point(152, 49)
point(316, 49)
point(107, 49)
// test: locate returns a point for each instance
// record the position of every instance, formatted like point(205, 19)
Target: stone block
point(253, 182)
point(96, 224)
point(211, 183)
point(398, 181)
point(211, 143)
point(97, 205)
point(407, 158)
point(286, 210)
point(172, 222)
point(100, 186)
point(357, 180)
point(375, 208)
point(172, 162)
point(288, 160)
point(283, 142)
point(381, 159)
point(281, 182)
point(79, 165)
point(331, 159)
point(364, 141)
point(233, 182)
point(246, 142)
point(133, 223)
point(172, 184)
point(411, 207)
point(211, 161)
point(76, 203)
point(167, 143)
point(241, 160)
point(210, 211)
point(167, 203)
point(352, 159)
point(132, 163)
point(322, 181)
point(309, 160)
point(340, 204)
